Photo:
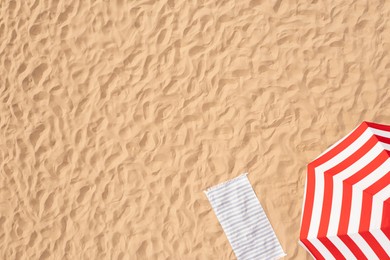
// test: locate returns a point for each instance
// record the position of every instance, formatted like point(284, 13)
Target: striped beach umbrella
point(346, 209)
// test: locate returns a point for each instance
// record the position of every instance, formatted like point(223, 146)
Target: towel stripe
point(243, 220)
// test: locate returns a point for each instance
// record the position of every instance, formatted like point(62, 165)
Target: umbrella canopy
point(346, 210)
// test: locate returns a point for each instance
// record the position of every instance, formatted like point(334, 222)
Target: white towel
point(243, 220)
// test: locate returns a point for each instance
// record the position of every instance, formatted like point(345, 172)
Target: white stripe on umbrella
point(320, 247)
point(362, 244)
point(382, 239)
point(357, 194)
point(380, 132)
point(342, 247)
point(377, 207)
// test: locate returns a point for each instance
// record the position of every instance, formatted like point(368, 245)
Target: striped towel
point(243, 220)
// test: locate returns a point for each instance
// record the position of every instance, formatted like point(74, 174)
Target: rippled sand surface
point(116, 115)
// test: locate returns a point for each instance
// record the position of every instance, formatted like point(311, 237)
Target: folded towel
point(243, 220)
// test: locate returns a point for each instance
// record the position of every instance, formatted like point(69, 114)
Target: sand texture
point(116, 115)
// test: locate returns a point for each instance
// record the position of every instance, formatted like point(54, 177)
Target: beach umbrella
point(346, 209)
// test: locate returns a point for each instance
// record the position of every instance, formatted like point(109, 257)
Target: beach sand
point(116, 115)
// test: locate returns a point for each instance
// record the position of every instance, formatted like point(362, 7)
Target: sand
point(116, 115)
